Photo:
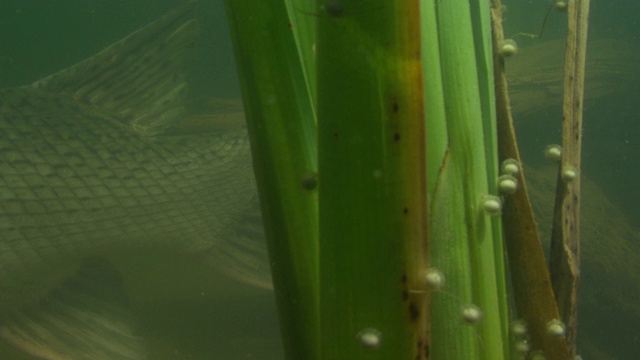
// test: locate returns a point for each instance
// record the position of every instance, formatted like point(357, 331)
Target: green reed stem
point(282, 130)
point(372, 181)
point(465, 241)
point(349, 276)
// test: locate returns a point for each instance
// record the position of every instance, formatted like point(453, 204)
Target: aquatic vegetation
point(400, 121)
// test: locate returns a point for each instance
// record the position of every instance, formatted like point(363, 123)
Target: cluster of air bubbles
point(508, 48)
point(554, 153)
point(507, 185)
point(507, 182)
point(521, 346)
point(520, 335)
point(370, 338)
point(434, 280)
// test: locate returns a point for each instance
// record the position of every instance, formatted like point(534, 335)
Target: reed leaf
point(282, 130)
point(372, 181)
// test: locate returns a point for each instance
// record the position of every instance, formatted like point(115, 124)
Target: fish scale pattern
point(77, 182)
point(102, 168)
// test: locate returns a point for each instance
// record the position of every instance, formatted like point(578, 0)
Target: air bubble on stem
point(507, 184)
point(569, 174)
point(522, 346)
point(510, 167)
point(492, 204)
point(519, 328)
point(370, 338)
point(434, 279)
point(555, 328)
point(471, 314)
point(509, 48)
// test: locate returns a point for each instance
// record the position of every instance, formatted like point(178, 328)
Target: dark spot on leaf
point(405, 290)
point(309, 180)
point(396, 137)
point(413, 312)
point(405, 210)
point(419, 348)
point(334, 8)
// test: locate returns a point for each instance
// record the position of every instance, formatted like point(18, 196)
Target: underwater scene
point(608, 316)
point(114, 259)
point(129, 216)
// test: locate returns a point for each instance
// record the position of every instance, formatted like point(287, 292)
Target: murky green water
point(184, 308)
point(188, 311)
point(608, 317)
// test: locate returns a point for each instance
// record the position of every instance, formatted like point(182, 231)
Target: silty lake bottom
point(202, 316)
point(209, 316)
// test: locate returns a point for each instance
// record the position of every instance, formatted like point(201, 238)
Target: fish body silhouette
point(96, 162)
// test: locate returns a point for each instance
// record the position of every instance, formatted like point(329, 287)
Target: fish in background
point(101, 163)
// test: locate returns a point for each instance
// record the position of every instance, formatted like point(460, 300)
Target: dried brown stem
point(530, 279)
point(565, 240)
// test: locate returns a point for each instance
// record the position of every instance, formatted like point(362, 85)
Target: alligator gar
point(98, 162)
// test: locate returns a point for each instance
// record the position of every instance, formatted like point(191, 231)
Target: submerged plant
point(394, 109)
